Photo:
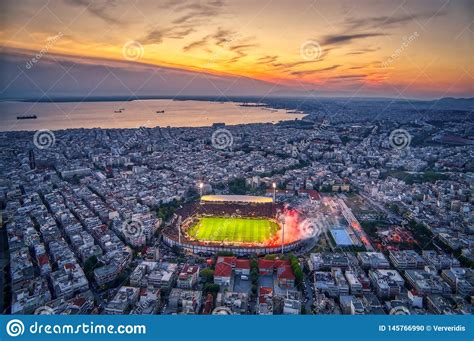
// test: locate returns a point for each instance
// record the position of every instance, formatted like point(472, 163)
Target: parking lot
point(240, 285)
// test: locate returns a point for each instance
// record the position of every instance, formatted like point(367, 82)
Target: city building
point(188, 277)
point(386, 283)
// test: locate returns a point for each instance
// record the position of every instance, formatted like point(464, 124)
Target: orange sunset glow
point(377, 48)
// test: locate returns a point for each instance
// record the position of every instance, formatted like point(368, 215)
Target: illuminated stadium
point(234, 223)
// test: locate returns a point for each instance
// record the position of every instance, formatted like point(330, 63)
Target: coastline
point(137, 113)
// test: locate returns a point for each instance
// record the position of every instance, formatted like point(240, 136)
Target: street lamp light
point(274, 185)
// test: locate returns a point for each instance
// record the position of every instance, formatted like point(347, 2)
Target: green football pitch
point(246, 230)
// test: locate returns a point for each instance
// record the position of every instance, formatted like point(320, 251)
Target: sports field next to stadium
point(243, 230)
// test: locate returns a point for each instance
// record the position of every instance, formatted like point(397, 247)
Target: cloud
point(343, 38)
point(171, 3)
point(356, 28)
point(362, 51)
point(198, 11)
point(239, 56)
point(267, 59)
point(98, 9)
point(90, 77)
point(180, 33)
point(196, 44)
point(240, 51)
point(363, 28)
point(353, 77)
point(311, 72)
point(289, 65)
point(241, 47)
point(157, 34)
point(224, 36)
point(226, 39)
point(390, 21)
point(221, 37)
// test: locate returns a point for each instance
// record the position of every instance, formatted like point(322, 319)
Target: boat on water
point(27, 117)
point(160, 111)
point(118, 111)
point(247, 104)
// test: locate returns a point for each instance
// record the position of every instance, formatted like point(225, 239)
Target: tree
point(192, 192)
point(91, 264)
point(370, 227)
point(176, 250)
point(211, 288)
point(76, 179)
point(165, 211)
point(254, 275)
point(237, 186)
point(207, 275)
point(394, 208)
point(295, 266)
point(254, 271)
point(465, 262)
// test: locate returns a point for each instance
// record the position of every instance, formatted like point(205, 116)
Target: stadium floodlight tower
point(274, 185)
point(281, 218)
point(201, 185)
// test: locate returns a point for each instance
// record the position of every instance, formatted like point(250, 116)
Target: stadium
point(234, 223)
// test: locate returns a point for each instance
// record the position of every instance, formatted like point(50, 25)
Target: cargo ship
point(27, 117)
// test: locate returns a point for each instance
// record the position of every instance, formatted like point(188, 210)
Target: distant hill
point(454, 103)
point(457, 99)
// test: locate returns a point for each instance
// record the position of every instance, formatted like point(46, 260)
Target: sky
point(399, 49)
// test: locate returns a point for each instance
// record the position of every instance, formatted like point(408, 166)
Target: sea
point(135, 114)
